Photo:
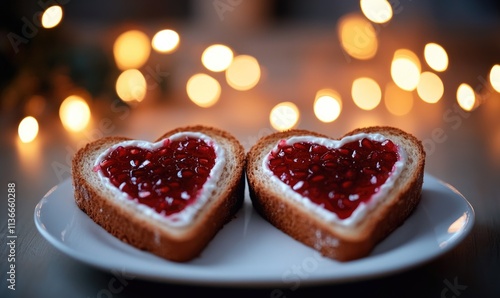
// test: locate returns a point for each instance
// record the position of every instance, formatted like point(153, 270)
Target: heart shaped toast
point(340, 197)
point(170, 197)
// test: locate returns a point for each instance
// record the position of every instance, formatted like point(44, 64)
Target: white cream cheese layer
point(186, 216)
point(364, 207)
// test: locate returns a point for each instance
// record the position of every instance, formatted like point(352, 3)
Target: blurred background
point(370, 62)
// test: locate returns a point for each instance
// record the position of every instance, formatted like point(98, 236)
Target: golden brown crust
point(334, 241)
point(176, 244)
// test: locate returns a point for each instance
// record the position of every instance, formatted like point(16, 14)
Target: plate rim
point(256, 282)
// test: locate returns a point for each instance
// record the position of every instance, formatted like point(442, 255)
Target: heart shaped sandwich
point(170, 197)
point(340, 197)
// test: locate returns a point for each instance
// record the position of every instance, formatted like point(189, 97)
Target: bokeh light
point(217, 57)
point(495, 77)
point(327, 105)
point(203, 90)
point(357, 36)
point(436, 57)
point(165, 41)
point(131, 85)
point(284, 115)
point(74, 113)
point(377, 11)
point(466, 97)
point(405, 69)
point(131, 49)
point(52, 16)
point(430, 88)
point(366, 93)
point(397, 101)
point(27, 129)
point(243, 73)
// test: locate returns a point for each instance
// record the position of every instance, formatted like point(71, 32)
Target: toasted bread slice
point(337, 239)
point(140, 226)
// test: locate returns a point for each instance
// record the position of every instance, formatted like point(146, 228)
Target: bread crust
point(335, 241)
point(178, 244)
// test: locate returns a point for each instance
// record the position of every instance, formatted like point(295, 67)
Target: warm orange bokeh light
point(436, 56)
point(466, 97)
point(366, 93)
point(165, 41)
point(217, 57)
point(284, 115)
point(203, 90)
point(405, 69)
point(52, 16)
point(74, 113)
point(495, 77)
point(377, 11)
point(397, 101)
point(327, 105)
point(430, 88)
point(131, 85)
point(131, 49)
point(357, 36)
point(243, 73)
point(27, 129)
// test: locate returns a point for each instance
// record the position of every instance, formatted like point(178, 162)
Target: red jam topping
point(166, 179)
point(336, 179)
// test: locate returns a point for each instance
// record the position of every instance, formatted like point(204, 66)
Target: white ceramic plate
point(249, 251)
